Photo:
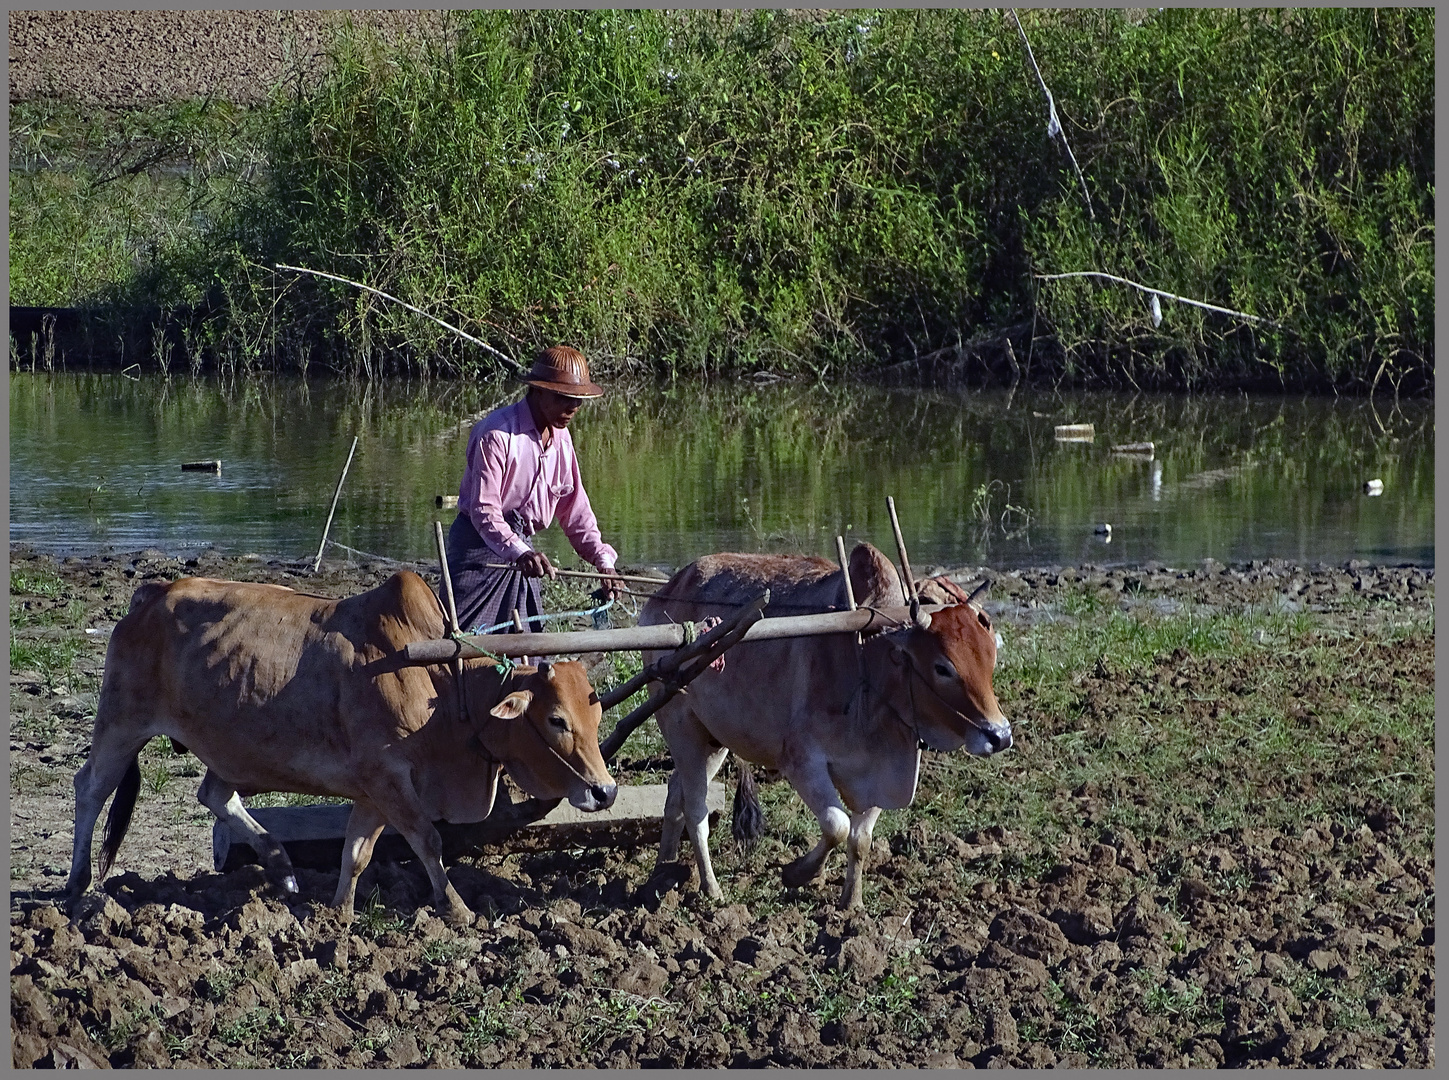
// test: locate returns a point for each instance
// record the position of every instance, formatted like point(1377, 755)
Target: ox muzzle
point(988, 737)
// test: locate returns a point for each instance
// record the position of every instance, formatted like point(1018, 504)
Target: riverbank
point(1211, 845)
point(798, 193)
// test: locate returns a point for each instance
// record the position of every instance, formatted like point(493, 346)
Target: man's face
point(557, 410)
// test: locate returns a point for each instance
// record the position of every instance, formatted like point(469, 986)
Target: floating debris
point(1135, 449)
point(1373, 487)
point(1075, 432)
point(201, 466)
point(446, 502)
point(1104, 530)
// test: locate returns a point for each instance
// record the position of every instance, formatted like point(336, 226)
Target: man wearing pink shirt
point(521, 475)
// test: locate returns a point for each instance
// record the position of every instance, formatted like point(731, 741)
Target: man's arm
point(576, 517)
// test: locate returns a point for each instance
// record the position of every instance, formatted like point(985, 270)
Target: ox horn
point(922, 619)
point(971, 599)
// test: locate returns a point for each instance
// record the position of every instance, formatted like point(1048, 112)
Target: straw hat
point(564, 371)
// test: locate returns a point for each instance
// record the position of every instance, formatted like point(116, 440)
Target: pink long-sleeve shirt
point(509, 468)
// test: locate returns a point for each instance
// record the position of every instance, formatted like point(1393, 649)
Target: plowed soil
point(1279, 939)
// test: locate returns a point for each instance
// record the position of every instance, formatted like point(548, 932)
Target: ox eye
point(559, 722)
point(945, 670)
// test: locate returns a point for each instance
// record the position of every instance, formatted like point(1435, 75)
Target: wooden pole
point(447, 578)
point(845, 570)
point(593, 574)
point(317, 562)
point(845, 573)
point(669, 636)
point(908, 583)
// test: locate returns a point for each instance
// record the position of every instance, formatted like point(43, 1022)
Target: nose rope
point(477, 739)
point(562, 760)
point(979, 725)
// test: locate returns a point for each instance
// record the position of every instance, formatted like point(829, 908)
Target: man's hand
point(611, 585)
point(535, 564)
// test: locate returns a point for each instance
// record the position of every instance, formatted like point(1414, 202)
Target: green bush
point(703, 192)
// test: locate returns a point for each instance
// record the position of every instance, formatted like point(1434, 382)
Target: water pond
point(679, 471)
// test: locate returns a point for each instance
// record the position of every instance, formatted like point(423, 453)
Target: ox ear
point(513, 706)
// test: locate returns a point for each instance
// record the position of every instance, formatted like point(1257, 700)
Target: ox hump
point(873, 577)
point(145, 593)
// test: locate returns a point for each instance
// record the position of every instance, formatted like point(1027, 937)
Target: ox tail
point(747, 818)
point(119, 819)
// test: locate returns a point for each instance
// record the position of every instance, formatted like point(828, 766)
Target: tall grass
point(696, 192)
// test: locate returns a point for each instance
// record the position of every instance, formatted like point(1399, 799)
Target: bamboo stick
point(512, 364)
point(594, 574)
point(317, 562)
point(845, 570)
point(908, 583)
point(453, 626)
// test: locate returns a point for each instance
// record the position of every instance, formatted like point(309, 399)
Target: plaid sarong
point(487, 597)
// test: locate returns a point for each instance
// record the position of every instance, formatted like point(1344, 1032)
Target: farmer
point(522, 472)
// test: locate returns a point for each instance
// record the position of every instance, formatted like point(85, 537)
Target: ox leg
point(697, 757)
point(111, 755)
point(673, 820)
point(364, 826)
point(398, 802)
point(816, 788)
point(221, 799)
point(857, 850)
point(696, 819)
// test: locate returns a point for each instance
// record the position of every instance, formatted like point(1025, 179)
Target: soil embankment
point(1249, 945)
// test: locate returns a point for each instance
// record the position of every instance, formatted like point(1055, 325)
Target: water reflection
point(678, 471)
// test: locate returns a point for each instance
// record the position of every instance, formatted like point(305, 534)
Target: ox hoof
point(798, 874)
point(457, 916)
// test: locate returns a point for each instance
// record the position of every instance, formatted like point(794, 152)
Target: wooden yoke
point(671, 670)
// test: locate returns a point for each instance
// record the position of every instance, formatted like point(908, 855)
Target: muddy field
point(130, 58)
point(1088, 899)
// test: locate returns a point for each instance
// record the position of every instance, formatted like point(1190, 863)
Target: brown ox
point(278, 691)
point(835, 719)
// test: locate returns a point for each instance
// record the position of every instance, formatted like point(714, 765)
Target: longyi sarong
point(486, 597)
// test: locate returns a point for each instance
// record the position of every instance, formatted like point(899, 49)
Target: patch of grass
point(1075, 1029)
point(51, 659)
point(318, 994)
point(158, 778)
point(1190, 723)
point(248, 1030)
point(485, 1027)
point(440, 951)
point(612, 1014)
point(35, 583)
point(376, 919)
point(293, 798)
point(218, 983)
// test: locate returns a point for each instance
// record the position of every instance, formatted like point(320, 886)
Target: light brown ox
point(275, 690)
point(839, 721)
